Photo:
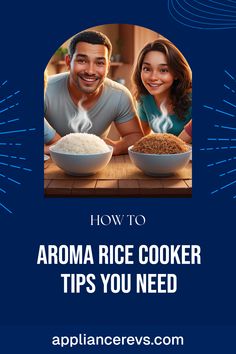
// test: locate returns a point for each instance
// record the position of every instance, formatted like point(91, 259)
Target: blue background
point(32, 295)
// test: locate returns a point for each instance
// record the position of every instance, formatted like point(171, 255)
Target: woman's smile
point(153, 85)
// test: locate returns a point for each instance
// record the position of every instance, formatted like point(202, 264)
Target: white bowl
point(80, 164)
point(159, 164)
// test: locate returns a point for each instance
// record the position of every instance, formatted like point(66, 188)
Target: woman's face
point(156, 74)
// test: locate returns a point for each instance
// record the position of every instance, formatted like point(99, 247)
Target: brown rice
point(160, 143)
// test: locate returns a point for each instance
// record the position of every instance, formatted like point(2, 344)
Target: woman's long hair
point(182, 85)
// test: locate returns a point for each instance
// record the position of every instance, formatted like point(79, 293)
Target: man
point(50, 135)
point(85, 100)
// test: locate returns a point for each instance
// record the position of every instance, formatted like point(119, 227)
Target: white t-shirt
point(114, 105)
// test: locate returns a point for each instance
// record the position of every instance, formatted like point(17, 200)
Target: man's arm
point(146, 127)
point(51, 142)
point(130, 132)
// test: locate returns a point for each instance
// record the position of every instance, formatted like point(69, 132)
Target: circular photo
point(112, 92)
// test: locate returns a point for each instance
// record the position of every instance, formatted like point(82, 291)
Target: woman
point(163, 86)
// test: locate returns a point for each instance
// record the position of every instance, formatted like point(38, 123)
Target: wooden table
point(119, 179)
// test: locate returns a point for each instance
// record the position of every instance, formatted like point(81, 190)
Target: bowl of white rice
point(81, 154)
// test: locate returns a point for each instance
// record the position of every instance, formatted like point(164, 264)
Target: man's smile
point(89, 79)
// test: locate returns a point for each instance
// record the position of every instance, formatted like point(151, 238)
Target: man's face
point(89, 67)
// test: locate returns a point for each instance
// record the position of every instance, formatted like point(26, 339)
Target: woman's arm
point(186, 134)
point(185, 137)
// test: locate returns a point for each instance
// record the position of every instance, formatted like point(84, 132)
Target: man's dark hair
point(92, 37)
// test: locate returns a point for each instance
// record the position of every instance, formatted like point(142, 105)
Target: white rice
point(81, 143)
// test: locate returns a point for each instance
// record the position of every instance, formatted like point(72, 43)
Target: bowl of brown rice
point(160, 154)
point(81, 154)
